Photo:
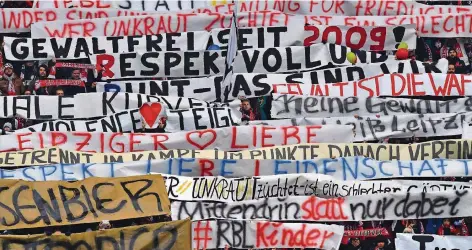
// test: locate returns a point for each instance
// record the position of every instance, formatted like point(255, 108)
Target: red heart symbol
point(200, 135)
point(378, 116)
point(150, 112)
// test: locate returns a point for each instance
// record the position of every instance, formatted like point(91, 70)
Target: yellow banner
point(448, 149)
point(174, 235)
point(51, 203)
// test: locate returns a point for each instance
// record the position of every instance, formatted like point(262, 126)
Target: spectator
point(7, 127)
point(381, 244)
point(454, 60)
point(28, 71)
point(354, 244)
point(59, 92)
point(10, 83)
point(447, 228)
point(451, 69)
point(75, 74)
point(104, 225)
point(246, 110)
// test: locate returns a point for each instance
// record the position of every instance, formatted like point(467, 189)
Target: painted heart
point(200, 135)
point(150, 112)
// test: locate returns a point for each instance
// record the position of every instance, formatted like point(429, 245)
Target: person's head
point(438, 44)
point(43, 70)
point(408, 230)
point(245, 104)
point(452, 53)
point(76, 74)
point(7, 127)
point(451, 69)
point(446, 222)
point(8, 69)
point(381, 244)
point(355, 242)
point(27, 92)
point(104, 225)
point(59, 92)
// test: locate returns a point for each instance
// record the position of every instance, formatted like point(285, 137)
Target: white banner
point(341, 168)
point(201, 118)
point(386, 85)
point(91, 105)
point(392, 206)
point(82, 47)
point(340, 8)
point(296, 106)
point(221, 189)
point(13, 20)
point(441, 26)
point(229, 139)
point(103, 104)
point(208, 89)
point(123, 121)
point(432, 242)
point(267, 60)
point(135, 120)
point(361, 38)
point(249, 85)
point(370, 128)
point(148, 5)
point(343, 74)
point(332, 8)
point(245, 234)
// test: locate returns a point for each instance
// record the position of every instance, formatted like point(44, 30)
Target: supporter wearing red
point(44, 73)
point(10, 83)
point(382, 244)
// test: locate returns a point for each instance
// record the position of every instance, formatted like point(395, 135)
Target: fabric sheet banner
point(351, 168)
point(218, 188)
point(393, 206)
point(340, 8)
point(432, 25)
point(295, 106)
point(254, 188)
point(266, 60)
point(360, 38)
point(81, 47)
point(340, 74)
point(229, 138)
point(346, 8)
point(130, 120)
point(449, 149)
point(148, 5)
point(432, 242)
point(363, 38)
point(210, 89)
point(15, 20)
point(387, 85)
point(135, 120)
point(370, 128)
point(246, 234)
point(50, 203)
point(174, 235)
point(92, 105)
point(202, 118)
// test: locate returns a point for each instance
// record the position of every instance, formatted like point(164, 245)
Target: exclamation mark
point(398, 32)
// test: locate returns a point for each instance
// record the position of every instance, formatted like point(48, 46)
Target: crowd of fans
point(22, 78)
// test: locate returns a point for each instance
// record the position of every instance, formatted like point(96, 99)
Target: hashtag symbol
point(197, 238)
point(184, 187)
